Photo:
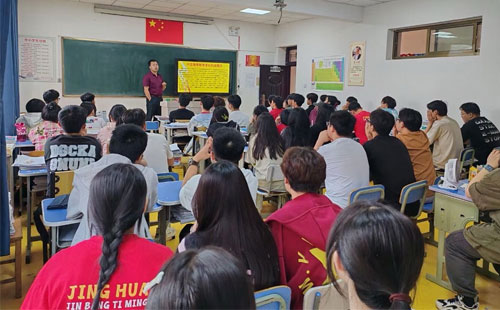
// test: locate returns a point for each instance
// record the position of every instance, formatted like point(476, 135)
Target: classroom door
point(274, 80)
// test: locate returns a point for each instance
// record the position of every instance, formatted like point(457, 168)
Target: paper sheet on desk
point(23, 161)
point(178, 125)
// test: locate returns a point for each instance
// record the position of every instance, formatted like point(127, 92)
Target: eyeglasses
point(368, 120)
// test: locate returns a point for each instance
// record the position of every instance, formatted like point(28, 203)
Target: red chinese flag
point(164, 31)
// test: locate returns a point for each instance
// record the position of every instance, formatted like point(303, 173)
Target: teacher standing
point(153, 88)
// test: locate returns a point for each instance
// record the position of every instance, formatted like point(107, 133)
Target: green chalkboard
point(116, 69)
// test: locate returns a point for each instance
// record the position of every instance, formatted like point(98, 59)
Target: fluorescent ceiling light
point(254, 11)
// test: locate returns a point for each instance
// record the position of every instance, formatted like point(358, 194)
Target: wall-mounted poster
point(37, 59)
point(328, 73)
point(356, 75)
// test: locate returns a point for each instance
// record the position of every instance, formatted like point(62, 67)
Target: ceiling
point(224, 9)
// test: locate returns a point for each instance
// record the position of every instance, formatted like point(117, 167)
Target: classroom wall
point(413, 82)
point(56, 18)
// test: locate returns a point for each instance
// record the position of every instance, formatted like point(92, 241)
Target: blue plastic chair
point(370, 193)
point(273, 298)
point(167, 177)
point(466, 160)
point(152, 126)
point(429, 209)
point(414, 192)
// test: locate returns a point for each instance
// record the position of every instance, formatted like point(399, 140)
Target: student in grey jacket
point(127, 144)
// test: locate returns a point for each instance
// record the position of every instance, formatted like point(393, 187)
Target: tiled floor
point(427, 292)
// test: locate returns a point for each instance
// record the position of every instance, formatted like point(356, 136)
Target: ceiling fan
point(280, 4)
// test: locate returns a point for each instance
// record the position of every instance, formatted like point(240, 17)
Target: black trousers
point(153, 107)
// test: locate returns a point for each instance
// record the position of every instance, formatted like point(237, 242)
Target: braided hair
point(117, 199)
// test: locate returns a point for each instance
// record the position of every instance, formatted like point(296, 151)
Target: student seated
point(115, 119)
point(348, 101)
point(33, 115)
point(126, 146)
point(389, 160)
point(48, 128)
point(226, 217)
point(258, 110)
point(276, 106)
point(202, 119)
point(219, 102)
point(478, 132)
point(227, 144)
point(322, 118)
point(94, 123)
point(296, 101)
point(157, 154)
point(282, 120)
point(323, 98)
point(361, 117)
point(408, 131)
point(311, 102)
point(50, 96)
point(333, 101)
point(88, 97)
point(233, 104)
point(444, 133)
point(220, 118)
point(182, 112)
point(73, 149)
point(209, 278)
point(346, 162)
point(266, 149)
point(388, 104)
point(301, 226)
point(297, 131)
point(378, 253)
point(116, 259)
point(463, 248)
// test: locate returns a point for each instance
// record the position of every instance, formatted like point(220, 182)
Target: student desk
point(169, 130)
point(168, 195)
point(452, 211)
point(29, 173)
point(10, 161)
point(55, 219)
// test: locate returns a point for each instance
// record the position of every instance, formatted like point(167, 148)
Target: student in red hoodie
point(301, 227)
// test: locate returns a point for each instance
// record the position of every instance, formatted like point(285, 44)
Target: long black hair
point(381, 250)
point(116, 201)
point(324, 112)
point(297, 132)
point(227, 217)
point(209, 278)
point(267, 137)
point(116, 113)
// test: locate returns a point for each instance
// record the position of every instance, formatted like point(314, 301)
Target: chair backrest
point(326, 297)
point(414, 192)
point(370, 193)
point(167, 177)
point(273, 298)
point(152, 125)
point(274, 173)
point(466, 157)
point(63, 182)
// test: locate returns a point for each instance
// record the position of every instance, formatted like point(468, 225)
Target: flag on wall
point(164, 31)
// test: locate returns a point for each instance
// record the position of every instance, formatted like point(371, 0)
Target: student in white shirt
point(157, 155)
point(126, 146)
point(347, 166)
point(202, 119)
point(444, 133)
point(234, 103)
point(227, 144)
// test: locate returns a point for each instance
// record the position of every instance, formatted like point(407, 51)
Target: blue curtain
point(9, 104)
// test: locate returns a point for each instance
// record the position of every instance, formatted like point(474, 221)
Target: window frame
point(474, 21)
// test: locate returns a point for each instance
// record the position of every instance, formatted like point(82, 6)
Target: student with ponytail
point(110, 270)
point(378, 252)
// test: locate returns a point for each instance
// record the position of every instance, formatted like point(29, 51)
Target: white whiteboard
point(37, 59)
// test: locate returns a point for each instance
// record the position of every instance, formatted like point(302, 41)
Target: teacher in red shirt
point(153, 88)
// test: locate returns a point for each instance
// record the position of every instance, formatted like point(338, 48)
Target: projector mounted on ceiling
point(280, 4)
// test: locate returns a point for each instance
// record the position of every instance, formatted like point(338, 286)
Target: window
point(454, 38)
point(291, 56)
